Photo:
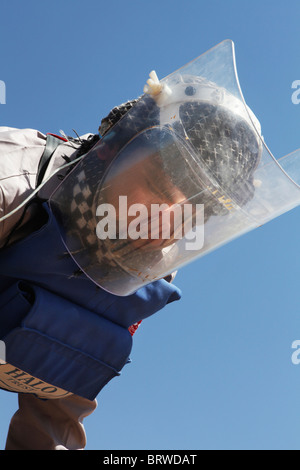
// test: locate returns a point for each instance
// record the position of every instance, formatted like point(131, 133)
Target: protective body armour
point(60, 327)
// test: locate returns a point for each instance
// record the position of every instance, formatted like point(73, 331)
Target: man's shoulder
point(20, 152)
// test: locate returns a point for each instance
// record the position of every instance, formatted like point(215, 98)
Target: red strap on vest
point(57, 136)
point(132, 329)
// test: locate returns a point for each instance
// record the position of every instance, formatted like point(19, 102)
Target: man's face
point(145, 185)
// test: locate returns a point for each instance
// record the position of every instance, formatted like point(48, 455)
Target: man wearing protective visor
point(89, 244)
point(182, 154)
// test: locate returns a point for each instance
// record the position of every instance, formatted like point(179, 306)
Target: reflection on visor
point(226, 144)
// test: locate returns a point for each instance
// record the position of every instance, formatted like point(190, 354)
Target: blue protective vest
point(61, 328)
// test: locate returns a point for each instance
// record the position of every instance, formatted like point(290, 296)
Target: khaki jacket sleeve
point(20, 153)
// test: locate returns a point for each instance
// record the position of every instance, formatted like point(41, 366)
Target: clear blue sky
point(214, 370)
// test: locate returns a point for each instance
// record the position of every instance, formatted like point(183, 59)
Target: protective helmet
point(191, 144)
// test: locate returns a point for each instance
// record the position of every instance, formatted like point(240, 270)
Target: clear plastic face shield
point(182, 173)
